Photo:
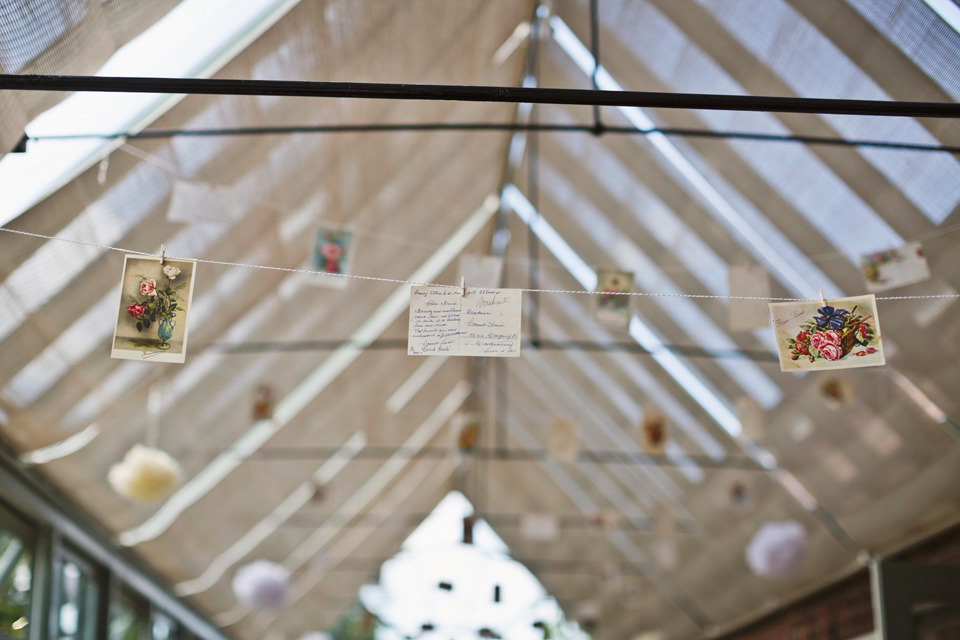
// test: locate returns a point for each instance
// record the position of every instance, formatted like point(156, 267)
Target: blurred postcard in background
point(332, 254)
point(611, 307)
point(894, 268)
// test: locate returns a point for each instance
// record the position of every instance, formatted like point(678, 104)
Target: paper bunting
point(654, 433)
point(611, 308)
point(609, 577)
point(563, 442)
point(445, 322)
point(155, 297)
point(333, 251)
point(481, 271)
point(466, 429)
point(540, 527)
point(749, 281)
point(835, 392)
point(263, 401)
point(840, 334)
point(605, 520)
point(200, 202)
point(666, 554)
point(752, 420)
point(883, 270)
point(740, 495)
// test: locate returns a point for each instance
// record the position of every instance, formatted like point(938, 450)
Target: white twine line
point(451, 286)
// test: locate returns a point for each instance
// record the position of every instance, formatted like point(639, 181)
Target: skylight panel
point(793, 170)
point(195, 39)
point(408, 594)
point(646, 381)
point(41, 276)
point(688, 379)
point(684, 313)
point(765, 242)
point(928, 35)
point(813, 66)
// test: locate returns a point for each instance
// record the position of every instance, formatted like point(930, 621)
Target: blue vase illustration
point(165, 331)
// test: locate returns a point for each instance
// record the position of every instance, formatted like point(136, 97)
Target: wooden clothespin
point(823, 302)
point(163, 253)
point(463, 286)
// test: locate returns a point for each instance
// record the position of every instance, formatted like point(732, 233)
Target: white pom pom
point(145, 475)
point(777, 549)
point(263, 584)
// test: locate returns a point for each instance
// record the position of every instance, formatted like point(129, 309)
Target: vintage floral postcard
point(841, 334)
point(894, 268)
point(611, 308)
point(263, 402)
point(332, 253)
point(563, 440)
point(654, 433)
point(155, 299)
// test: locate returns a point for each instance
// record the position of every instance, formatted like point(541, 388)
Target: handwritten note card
point(485, 322)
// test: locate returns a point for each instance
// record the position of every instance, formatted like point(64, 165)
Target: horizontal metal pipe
point(544, 345)
point(496, 520)
point(497, 127)
point(524, 455)
point(537, 95)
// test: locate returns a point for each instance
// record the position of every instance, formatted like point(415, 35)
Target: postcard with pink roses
point(155, 299)
point(839, 334)
point(332, 254)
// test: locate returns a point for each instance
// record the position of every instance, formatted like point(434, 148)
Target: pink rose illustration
point(831, 352)
point(331, 251)
point(136, 310)
point(148, 288)
point(826, 338)
point(862, 329)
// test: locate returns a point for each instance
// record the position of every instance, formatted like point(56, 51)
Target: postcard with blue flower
point(841, 334)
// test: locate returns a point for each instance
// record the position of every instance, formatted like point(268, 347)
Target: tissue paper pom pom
point(145, 475)
point(316, 635)
point(777, 549)
point(262, 584)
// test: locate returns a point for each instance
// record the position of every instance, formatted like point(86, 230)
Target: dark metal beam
point(535, 95)
point(497, 127)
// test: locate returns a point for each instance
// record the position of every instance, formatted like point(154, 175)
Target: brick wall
point(844, 610)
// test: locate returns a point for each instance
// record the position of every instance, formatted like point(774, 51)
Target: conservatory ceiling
point(864, 478)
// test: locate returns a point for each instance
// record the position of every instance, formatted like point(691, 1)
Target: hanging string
point(245, 265)
point(165, 165)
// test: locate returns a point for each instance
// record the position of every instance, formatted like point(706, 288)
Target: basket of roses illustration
point(834, 334)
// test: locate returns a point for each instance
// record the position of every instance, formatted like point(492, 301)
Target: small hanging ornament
point(778, 549)
point(262, 584)
point(145, 475)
